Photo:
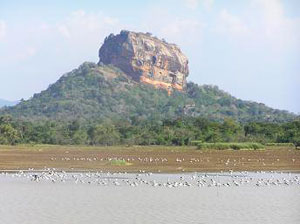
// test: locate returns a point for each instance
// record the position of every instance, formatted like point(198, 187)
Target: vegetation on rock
point(104, 93)
point(100, 105)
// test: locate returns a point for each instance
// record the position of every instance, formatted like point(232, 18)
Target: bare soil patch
point(147, 158)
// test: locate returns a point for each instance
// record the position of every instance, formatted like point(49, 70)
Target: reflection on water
point(58, 197)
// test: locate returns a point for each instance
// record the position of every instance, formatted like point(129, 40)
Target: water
point(113, 198)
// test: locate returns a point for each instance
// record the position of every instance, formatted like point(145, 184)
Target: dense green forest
point(94, 92)
point(169, 132)
point(100, 105)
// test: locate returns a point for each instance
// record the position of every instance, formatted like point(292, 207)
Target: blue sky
point(248, 48)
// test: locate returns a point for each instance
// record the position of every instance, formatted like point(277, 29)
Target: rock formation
point(146, 59)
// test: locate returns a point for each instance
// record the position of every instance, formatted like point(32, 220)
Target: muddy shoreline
point(147, 158)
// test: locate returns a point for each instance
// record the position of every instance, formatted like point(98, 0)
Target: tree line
point(181, 131)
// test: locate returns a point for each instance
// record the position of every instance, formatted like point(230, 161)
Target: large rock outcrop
point(146, 59)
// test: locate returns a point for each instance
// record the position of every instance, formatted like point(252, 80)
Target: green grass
point(231, 145)
point(119, 162)
point(280, 144)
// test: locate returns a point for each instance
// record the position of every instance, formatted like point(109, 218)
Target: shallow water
point(82, 198)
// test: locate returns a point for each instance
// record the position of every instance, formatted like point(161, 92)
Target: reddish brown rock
point(146, 59)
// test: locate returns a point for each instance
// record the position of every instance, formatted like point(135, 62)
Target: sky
point(249, 48)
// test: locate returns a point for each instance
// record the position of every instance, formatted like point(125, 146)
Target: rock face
point(146, 59)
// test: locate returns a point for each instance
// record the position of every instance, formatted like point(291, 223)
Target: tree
point(104, 134)
point(230, 130)
point(8, 134)
point(79, 137)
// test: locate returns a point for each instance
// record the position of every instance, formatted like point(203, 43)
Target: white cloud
point(178, 29)
point(263, 24)
point(208, 4)
point(80, 24)
point(74, 38)
point(2, 29)
point(231, 25)
point(110, 21)
point(80, 34)
point(280, 30)
point(25, 53)
point(31, 51)
point(194, 4)
point(64, 30)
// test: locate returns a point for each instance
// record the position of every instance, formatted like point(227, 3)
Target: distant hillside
point(7, 103)
point(94, 92)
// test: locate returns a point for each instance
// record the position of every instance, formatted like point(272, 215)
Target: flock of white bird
point(161, 160)
point(222, 179)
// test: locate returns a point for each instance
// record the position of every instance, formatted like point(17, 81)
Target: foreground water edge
point(52, 196)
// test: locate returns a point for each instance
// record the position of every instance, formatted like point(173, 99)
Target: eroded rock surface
point(146, 59)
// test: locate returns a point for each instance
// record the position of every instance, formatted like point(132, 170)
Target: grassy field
point(147, 158)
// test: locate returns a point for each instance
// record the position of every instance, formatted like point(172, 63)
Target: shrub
point(231, 145)
point(280, 144)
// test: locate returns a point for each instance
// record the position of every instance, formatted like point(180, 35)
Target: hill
point(7, 103)
point(104, 92)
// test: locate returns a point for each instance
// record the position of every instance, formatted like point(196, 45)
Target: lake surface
point(71, 198)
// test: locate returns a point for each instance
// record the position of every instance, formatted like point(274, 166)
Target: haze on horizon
point(250, 48)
